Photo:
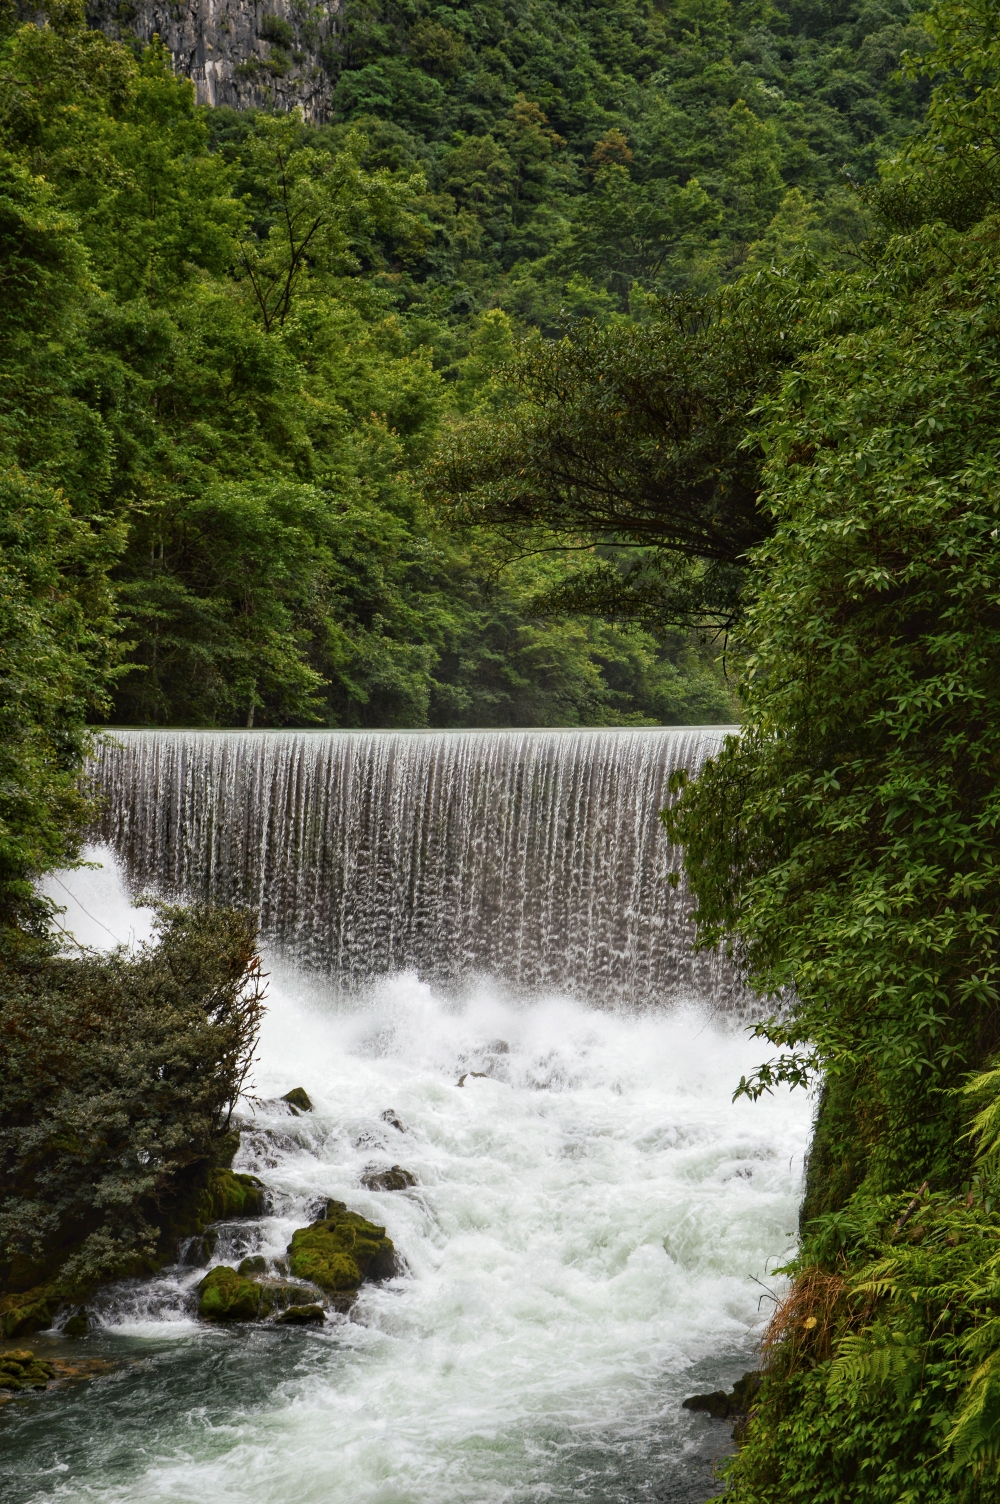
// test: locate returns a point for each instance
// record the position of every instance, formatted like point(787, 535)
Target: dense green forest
point(846, 843)
point(252, 334)
point(580, 335)
point(235, 349)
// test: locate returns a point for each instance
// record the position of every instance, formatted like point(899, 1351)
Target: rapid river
point(582, 1248)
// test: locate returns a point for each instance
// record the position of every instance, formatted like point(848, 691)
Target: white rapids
point(580, 1253)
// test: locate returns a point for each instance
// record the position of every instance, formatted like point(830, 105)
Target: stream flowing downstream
point(590, 1214)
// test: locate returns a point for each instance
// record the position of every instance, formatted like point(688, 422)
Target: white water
point(580, 1253)
point(532, 856)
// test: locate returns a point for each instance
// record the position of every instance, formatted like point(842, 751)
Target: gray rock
point(394, 1179)
point(268, 56)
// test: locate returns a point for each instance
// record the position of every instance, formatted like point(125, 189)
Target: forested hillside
point(563, 344)
point(846, 842)
point(253, 332)
point(578, 156)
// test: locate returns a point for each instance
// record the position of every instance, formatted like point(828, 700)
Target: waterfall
point(590, 1214)
point(533, 856)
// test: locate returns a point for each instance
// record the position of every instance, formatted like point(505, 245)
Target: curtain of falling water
point(534, 856)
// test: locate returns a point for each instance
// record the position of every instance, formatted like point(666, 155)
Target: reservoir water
point(591, 1212)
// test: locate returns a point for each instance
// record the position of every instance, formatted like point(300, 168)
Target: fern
point(986, 1123)
point(873, 1360)
point(974, 1439)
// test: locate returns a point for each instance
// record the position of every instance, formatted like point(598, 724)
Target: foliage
point(56, 622)
point(578, 150)
point(118, 1074)
point(54, 651)
point(635, 435)
point(231, 397)
point(845, 844)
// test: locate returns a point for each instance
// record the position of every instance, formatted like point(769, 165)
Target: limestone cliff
point(242, 53)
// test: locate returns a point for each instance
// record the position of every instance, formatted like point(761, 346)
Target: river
point(591, 1214)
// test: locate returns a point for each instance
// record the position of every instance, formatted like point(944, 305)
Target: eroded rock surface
point(249, 56)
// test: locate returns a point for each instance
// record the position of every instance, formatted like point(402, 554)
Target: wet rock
point(225, 1149)
point(498, 1047)
point(745, 1392)
point(78, 1324)
point(298, 1100)
point(81, 1368)
point(390, 1117)
point(197, 1252)
point(287, 1294)
point(722, 1406)
point(256, 1263)
point(302, 1316)
point(341, 1250)
point(29, 1310)
point(20, 1369)
point(225, 1295)
point(229, 1195)
point(394, 1179)
point(715, 1404)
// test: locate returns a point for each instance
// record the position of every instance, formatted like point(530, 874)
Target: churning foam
point(579, 1255)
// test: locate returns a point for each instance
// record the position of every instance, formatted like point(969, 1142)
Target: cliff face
point(243, 53)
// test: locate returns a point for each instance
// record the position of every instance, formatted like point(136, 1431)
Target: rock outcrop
point(298, 1100)
point(212, 1194)
point(311, 1315)
point(335, 1254)
point(735, 1406)
point(246, 1294)
point(22, 1370)
point(242, 53)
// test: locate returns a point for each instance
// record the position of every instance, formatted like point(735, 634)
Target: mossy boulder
point(210, 1193)
point(78, 1324)
point(298, 1100)
point(225, 1295)
point(229, 1195)
point(311, 1315)
point(341, 1250)
point(22, 1370)
point(29, 1310)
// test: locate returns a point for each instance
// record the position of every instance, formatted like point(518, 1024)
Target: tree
point(634, 434)
point(845, 845)
point(56, 622)
point(312, 211)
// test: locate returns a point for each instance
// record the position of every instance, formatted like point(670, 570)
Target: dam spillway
point(533, 857)
point(479, 972)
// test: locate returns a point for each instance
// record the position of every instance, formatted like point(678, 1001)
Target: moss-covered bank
point(118, 1075)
